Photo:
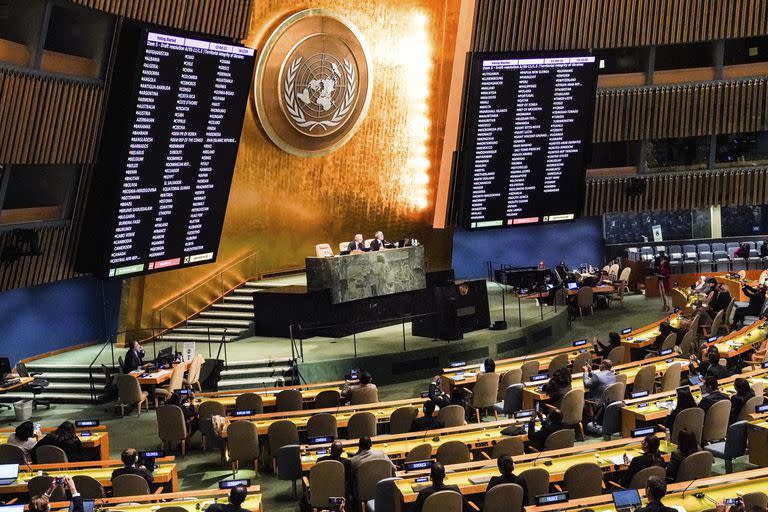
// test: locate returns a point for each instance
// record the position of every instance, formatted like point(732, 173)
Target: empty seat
point(689, 251)
point(675, 252)
point(702, 248)
point(754, 261)
point(646, 253)
point(705, 261)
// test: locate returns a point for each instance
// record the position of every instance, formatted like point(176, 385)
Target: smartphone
point(731, 501)
point(335, 500)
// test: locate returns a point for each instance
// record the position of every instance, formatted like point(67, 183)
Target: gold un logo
point(313, 83)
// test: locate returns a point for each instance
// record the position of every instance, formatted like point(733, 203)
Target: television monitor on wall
point(174, 115)
point(526, 138)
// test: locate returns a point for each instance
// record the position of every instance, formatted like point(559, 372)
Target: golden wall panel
point(385, 178)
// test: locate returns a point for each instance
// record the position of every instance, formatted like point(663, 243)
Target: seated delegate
point(358, 244)
point(63, 437)
point(130, 458)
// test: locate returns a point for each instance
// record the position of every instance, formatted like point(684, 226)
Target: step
point(202, 330)
point(235, 373)
point(228, 306)
point(280, 361)
point(75, 387)
point(216, 322)
point(263, 284)
point(226, 315)
point(47, 368)
point(98, 376)
point(53, 397)
point(203, 338)
point(266, 382)
point(238, 299)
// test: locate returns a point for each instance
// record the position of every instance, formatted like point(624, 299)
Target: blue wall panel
point(48, 317)
point(576, 242)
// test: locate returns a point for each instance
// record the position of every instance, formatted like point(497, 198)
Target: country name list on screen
point(529, 131)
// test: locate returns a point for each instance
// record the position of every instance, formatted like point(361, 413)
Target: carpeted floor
point(203, 470)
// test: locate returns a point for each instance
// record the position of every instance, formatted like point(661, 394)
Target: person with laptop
point(655, 490)
point(130, 458)
point(507, 469)
point(237, 497)
point(41, 502)
point(25, 438)
point(63, 437)
point(437, 475)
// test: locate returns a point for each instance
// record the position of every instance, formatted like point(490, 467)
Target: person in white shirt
point(24, 437)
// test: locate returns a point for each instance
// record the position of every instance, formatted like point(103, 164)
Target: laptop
point(8, 473)
point(573, 286)
point(695, 380)
point(626, 501)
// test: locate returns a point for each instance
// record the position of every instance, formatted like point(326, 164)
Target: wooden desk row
point(696, 496)
point(473, 477)
point(655, 408)
point(644, 337)
point(467, 375)
point(96, 445)
point(533, 391)
point(160, 376)
point(477, 436)
point(744, 340)
point(191, 501)
point(165, 474)
point(269, 395)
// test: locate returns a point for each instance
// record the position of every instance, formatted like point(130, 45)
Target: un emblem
point(313, 83)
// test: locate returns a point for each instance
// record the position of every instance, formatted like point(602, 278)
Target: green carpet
point(203, 470)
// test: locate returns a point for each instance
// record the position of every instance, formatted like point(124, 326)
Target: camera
point(60, 480)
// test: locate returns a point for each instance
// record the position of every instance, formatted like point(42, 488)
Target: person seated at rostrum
point(63, 437)
point(134, 358)
point(237, 497)
point(549, 425)
point(358, 244)
point(428, 421)
point(507, 469)
point(130, 458)
point(378, 243)
point(437, 475)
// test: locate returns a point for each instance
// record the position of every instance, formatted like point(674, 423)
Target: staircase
point(264, 373)
point(229, 319)
point(68, 384)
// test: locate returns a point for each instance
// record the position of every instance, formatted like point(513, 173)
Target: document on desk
point(618, 460)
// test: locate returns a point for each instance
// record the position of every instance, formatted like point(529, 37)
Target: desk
point(717, 488)
point(757, 439)
point(368, 274)
point(97, 443)
point(268, 395)
point(157, 377)
point(477, 436)
point(743, 340)
point(658, 405)
point(451, 376)
point(645, 336)
point(192, 501)
point(165, 474)
point(382, 411)
point(532, 393)
point(607, 454)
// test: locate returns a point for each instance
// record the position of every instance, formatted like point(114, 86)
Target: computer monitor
point(573, 286)
point(626, 500)
point(8, 473)
point(164, 356)
point(695, 380)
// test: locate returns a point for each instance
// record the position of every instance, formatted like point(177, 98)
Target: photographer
point(41, 502)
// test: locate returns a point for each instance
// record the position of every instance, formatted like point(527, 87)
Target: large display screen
point(527, 132)
point(173, 121)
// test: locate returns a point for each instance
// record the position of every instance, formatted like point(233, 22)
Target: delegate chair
point(176, 382)
point(323, 250)
point(585, 299)
point(513, 376)
point(368, 475)
point(580, 361)
point(129, 393)
point(452, 416)
point(557, 362)
point(537, 482)
point(419, 452)
point(444, 501)
point(735, 445)
point(755, 499)
point(504, 498)
point(289, 400)
point(696, 465)
point(401, 419)
point(129, 485)
point(751, 406)
point(49, 454)
point(513, 400)
point(322, 424)
point(11, 454)
point(288, 463)
point(249, 402)
point(645, 379)
point(193, 374)
point(716, 422)
point(386, 497)
point(564, 438)
point(670, 381)
point(89, 487)
point(172, 427)
point(40, 484)
point(616, 355)
point(528, 370)
point(327, 399)
point(611, 422)
point(243, 445)
point(508, 446)
point(583, 480)
point(485, 391)
point(640, 480)
point(361, 424)
point(206, 411)
point(572, 407)
point(326, 480)
point(453, 452)
point(365, 395)
point(691, 420)
point(279, 434)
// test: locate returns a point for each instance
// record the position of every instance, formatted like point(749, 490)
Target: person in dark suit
point(650, 457)
point(437, 475)
point(743, 394)
point(715, 369)
point(685, 401)
point(721, 299)
point(557, 387)
point(550, 425)
point(711, 358)
point(378, 242)
point(237, 496)
point(712, 393)
point(134, 358)
point(337, 454)
point(507, 468)
point(614, 340)
point(655, 490)
point(756, 297)
point(358, 244)
point(686, 445)
point(428, 421)
point(130, 458)
point(63, 437)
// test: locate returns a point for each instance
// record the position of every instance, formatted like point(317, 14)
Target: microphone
point(688, 487)
point(537, 457)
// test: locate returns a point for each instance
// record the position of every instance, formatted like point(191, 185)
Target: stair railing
point(179, 310)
